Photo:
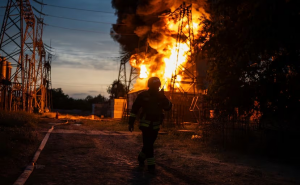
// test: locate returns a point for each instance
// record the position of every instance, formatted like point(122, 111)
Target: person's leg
point(147, 142)
point(150, 153)
point(142, 154)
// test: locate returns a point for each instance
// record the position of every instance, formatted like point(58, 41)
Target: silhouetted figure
point(153, 102)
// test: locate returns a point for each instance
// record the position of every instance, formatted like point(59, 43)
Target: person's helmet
point(154, 83)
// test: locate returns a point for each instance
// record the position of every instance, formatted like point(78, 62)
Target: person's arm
point(134, 111)
point(167, 104)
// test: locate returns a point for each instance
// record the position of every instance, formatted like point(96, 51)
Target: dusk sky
point(85, 63)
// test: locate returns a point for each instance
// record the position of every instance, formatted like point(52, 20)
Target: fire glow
point(171, 56)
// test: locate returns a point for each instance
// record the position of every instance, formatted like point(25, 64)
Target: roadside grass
point(19, 139)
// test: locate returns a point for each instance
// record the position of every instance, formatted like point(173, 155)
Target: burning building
point(163, 43)
point(160, 38)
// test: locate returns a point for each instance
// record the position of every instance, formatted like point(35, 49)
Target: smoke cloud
point(144, 30)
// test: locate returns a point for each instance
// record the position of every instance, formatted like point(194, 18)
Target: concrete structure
point(117, 107)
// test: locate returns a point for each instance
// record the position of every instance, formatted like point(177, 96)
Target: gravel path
point(81, 157)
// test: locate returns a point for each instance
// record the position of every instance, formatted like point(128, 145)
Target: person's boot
point(151, 165)
point(141, 159)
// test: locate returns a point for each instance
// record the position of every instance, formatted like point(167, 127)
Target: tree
point(254, 51)
point(63, 101)
point(117, 89)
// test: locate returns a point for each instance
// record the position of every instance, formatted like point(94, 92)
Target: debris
point(196, 137)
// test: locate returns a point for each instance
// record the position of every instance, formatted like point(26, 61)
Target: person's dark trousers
point(149, 137)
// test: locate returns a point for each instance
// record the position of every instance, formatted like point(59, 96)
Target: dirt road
point(98, 157)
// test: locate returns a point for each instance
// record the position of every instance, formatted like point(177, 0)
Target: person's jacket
point(153, 104)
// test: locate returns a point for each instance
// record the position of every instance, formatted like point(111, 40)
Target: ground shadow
point(139, 175)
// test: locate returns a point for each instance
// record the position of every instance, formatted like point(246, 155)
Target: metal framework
point(186, 88)
point(188, 71)
point(122, 78)
point(134, 74)
point(40, 91)
point(21, 42)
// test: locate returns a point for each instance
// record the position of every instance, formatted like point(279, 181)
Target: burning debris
point(163, 44)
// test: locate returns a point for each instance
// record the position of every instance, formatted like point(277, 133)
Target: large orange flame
point(175, 55)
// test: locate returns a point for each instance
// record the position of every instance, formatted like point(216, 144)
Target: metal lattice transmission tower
point(187, 70)
point(18, 15)
point(20, 36)
point(134, 74)
point(122, 78)
point(40, 90)
point(44, 86)
point(185, 88)
point(11, 47)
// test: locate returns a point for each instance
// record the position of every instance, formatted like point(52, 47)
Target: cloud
point(94, 53)
point(77, 58)
point(79, 95)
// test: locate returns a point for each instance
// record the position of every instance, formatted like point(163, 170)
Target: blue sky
point(85, 63)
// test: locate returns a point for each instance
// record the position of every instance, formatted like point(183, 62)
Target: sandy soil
point(81, 156)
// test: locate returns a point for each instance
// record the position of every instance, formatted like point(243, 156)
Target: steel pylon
point(20, 43)
point(188, 71)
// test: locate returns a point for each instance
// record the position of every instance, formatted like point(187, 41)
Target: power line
point(47, 46)
point(75, 29)
point(80, 20)
point(81, 9)
point(88, 30)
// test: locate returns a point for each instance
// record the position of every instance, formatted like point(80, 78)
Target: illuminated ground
point(78, 154)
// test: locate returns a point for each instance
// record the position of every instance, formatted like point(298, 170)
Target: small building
point(117, 106)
